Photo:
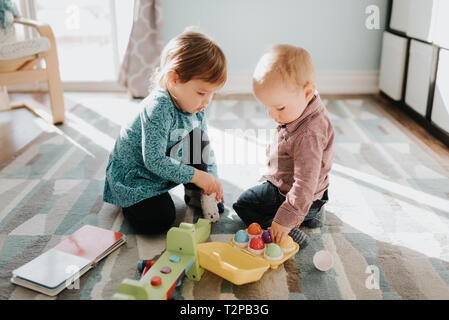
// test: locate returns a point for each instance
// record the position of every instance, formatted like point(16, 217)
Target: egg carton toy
point(247, 256)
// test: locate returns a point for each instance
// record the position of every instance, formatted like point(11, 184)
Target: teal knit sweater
point(139, 166)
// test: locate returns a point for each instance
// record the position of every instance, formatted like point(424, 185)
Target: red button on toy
point(156, 281)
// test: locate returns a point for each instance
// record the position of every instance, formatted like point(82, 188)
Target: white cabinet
point(417, 30)
point(399, 15)
point(392, 65)
point(440, 108)
point(441, 37)
point(422, 19)
point(418, 76)
point(426, 20)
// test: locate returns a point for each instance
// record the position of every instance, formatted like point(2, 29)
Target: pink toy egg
point(323, 260)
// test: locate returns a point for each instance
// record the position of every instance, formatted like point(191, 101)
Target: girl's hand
point(278, 232)
point(219, 191)
point(208, 183)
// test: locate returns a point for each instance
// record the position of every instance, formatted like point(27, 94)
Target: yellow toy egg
point(287, 245)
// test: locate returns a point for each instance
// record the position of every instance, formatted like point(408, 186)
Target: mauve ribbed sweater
point(300, 163)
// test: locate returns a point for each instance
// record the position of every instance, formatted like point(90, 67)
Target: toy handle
point(223, 265)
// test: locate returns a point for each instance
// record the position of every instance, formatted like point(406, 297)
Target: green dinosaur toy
point(180, 256)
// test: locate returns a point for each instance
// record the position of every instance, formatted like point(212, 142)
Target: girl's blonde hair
point(192, 55)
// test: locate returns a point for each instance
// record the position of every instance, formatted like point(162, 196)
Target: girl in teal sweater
point(167, 144)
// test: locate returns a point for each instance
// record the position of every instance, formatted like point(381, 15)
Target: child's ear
point(309, 90)
point(172, 77)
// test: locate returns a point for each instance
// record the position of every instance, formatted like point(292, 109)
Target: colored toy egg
point(166, 270)
point(174, 258)
point(241, 238)
point(273, 252)
point(266, 236)
point(256, 245)
point(254, 230)
point(287, 245)
point(156, 281)
point(323, 260)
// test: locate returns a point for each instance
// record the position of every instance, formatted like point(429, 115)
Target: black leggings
point(156, 215)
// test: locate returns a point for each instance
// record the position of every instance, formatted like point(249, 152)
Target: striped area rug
point(387, 221)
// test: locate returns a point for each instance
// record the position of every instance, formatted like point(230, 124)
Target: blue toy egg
point(241, 236)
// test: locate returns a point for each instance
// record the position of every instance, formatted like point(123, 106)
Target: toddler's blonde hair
point(192, 55)
point(290, 63)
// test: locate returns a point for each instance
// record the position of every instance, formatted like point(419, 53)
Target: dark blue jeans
point(260, 204)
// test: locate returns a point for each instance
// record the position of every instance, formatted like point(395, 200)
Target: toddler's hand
point(278, 232)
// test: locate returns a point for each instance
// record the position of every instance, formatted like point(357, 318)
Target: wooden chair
point(24, 69)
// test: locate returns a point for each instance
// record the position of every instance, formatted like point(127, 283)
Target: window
point(91, 35)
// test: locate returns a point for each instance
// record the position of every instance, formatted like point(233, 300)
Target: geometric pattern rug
point(387, 220)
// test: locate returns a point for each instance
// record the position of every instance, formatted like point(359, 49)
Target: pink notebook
point(59, 267)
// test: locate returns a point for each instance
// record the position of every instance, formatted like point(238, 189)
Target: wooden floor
point(19, 127)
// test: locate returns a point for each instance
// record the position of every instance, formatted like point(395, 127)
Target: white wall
point(346, 53)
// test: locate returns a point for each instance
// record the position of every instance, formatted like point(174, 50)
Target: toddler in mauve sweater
point(301, 155)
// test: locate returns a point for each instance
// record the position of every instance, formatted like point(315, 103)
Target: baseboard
point(329, 82)
point(348, 82)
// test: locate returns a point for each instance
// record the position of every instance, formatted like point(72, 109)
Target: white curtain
point(144, 48)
